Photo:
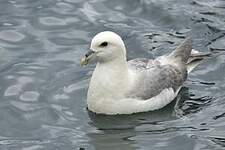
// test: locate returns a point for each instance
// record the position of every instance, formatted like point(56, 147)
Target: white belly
point(131, 105)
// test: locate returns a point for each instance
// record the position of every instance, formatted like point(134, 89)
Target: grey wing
point(142, 63)
point(153, 78)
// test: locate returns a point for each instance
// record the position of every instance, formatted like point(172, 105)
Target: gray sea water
point(43, 88)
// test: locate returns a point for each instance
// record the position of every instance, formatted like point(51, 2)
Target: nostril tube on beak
point(89, 53)
point(86, 58)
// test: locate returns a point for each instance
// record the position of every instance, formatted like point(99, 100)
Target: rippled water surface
point(43, 88)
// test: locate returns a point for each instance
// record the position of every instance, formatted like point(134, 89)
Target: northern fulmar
point(119, 86)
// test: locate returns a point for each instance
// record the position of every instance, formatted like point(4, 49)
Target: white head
point(106, 46)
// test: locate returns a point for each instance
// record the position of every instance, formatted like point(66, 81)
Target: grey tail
point(195, 59)
point(183, 51)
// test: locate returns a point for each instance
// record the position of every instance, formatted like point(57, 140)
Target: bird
point(118, 86)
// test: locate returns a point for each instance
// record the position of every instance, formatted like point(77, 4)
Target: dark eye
point(103, 44)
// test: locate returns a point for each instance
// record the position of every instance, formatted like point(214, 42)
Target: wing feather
point(154, 77)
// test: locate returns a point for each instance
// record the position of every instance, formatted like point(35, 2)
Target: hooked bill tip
point(83, 61)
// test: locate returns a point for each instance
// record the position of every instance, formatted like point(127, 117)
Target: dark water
point(43, 88)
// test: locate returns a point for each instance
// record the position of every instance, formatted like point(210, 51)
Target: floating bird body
point(119, 86)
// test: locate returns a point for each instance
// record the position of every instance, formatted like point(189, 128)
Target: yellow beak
point(88, 56)
point(83, 61)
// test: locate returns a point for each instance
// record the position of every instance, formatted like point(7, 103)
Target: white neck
point(106, 77)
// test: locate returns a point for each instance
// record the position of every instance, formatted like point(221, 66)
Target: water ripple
point(11, 36)
point(43, 88)
point(30, 96)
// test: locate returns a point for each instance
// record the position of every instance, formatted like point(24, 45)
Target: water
point(43, 88)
